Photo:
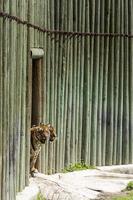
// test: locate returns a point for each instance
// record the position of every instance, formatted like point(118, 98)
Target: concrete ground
point(79, 185)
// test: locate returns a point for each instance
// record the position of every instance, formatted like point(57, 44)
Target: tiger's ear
point(48, 125)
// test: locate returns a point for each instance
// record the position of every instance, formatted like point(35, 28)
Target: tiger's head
point(51, 130)
point(41, 134)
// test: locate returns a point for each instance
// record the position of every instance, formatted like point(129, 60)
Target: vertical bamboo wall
point(87, 88)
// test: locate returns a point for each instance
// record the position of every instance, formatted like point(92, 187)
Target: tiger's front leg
point(33, 160)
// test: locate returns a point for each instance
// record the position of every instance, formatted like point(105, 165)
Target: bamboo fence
point(87, 85)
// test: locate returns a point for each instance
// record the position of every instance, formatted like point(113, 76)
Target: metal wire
point(61, 32)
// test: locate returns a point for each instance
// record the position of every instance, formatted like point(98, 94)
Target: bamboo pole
point(63, 44)
point(52, 73)
point(95, 93)
point(39, 41)
point(75, 54)
point(43, 100)
point(1, 95)
point(26, 175)
point(62, 62)
point(100, 94)
point(22, 127)
point(19, 100)
point(116, 79)
point(28, 95)
point(80, 74)
point(131, 82)
point(125, 156)
point(77, 153)
point(66, 82)
point(74, 72)
point(12, 60)
point(105, 82)
point(44, 150)
point(36, 21)
point(49, 166)
point(110, 104)
point(71, 80)
point(28, 91)
point(68, 88)
point(5, 123)
point(58, 84)
point(120, 98)
point(92, 4)
point(85, 156)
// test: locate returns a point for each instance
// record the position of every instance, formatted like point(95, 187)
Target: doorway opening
point(36, 111)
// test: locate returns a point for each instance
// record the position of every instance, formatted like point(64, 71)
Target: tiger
point(38, 136)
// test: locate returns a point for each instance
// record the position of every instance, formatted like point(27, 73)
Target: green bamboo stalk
point(36, 21)
point(131, 83)
point(1, 95)
point(66, 55)
point(125, 155)
point(64, 97)
point(24, 98)
point(52, 93)
point(42, 77)
point(23, 111)
point(19, 100)
point(45, 153)
point(5, 125)
point(86, 109)
point(105, 82)
point(116, 80)
point(28, 93)
point(47, 82)
point(69, 86)
point(110, 104)
point(92, 4)
point(100, 28)
point(81, 68)
point(120, 98)
point(45, 110)
point(56, 53)
point(40, 7)
point(77, 99)
point(49, 163)
point(71, 91)
point(31, 20)
point(67, 113)
point(12, 61)
point(6, 109)
point(73, 133)
point(95, 91)
point(77, 142)
point(69, 103)
point(58, 94)
point(62, 56)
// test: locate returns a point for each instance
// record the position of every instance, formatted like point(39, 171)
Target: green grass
point(77, 167)
point(40, 197)
point(129, 186)
point(128, 196)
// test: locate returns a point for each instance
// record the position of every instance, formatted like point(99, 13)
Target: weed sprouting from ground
point(129, 186)
point(40, 197)
point(77, 167)
point(128, 196)
point(128, 193)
